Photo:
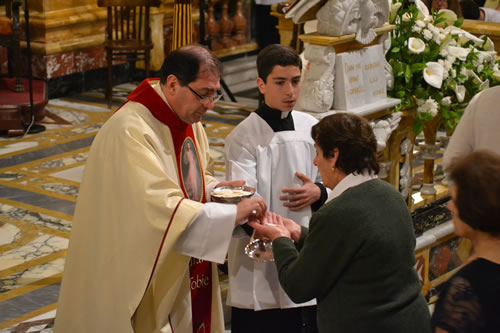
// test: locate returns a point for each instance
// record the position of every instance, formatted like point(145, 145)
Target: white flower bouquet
point(437, 66)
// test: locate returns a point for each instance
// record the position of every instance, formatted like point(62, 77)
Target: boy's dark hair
point(470, 9)
point(480, 3)
point(276, 54)
point(187, 62)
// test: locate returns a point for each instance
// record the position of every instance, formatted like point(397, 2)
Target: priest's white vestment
point(129, 265)
point(268, 161)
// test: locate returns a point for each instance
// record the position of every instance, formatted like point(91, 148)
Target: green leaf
point(395, 50)
point(458, 23)
point(418, 126)
point(400, 93)
point(397, 67)
point(408, 74)
point(439, 20)
point(421, 93)
point(450, 124)
point(418, 67)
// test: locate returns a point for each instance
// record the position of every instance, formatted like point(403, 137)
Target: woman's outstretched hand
point(272, 226)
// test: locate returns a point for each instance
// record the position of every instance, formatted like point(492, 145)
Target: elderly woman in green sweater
point(357, 256)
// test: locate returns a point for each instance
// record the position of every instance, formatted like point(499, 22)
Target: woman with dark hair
point(470, 300)
point(357, 256)
point(453, 5)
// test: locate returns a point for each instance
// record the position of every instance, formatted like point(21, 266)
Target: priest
point(144, 237)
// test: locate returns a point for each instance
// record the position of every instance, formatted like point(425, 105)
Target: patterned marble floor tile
point(37, 218)
point(9, 233)
point(70, 104)
point(43, 323)
point(56, 163)
point(73, 174)
point(41, 246)
point(39, 179)
point(17, 146)
point(36, 273)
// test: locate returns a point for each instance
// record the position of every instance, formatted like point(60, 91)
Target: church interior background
point(40, 173)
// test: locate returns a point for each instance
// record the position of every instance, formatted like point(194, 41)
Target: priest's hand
point(231, 183)
point(298, 198)
point(270, 226)
point(250, 209)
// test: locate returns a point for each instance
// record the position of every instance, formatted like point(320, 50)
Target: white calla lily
point(467, 36)
point(463, 36)
point(416, 45)
point(477, 80)
point(475, 77)
point(446, 101)
point(453, 30)
point(423, 11)
point(488, 45)
point(460, 92)
point(394, 9)
point(484, 85)
point(487, 56)
point(445, 42)
point(459, 52)
point(496, 72)
point(449, 16)
point(433, 74)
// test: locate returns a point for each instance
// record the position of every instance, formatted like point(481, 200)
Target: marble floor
point(39, 180)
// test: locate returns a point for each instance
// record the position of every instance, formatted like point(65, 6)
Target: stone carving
point(360, 17)
point(318, 78)
point(385, 41)
point(405, 170)
point(383, 128)
point(350, 87)
point(385, 167)
point(373, 73)
point(374, 13)
point(338, 17)
point(428, 153)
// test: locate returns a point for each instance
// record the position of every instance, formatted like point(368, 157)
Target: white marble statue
point(385, 41)
point(383, 128)
point(338, 17)
point(405, 170)
point(318, 79)
point(374, 13)
point(360, 17)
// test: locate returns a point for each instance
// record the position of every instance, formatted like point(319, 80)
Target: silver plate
point(260, 250)
point(231, 200)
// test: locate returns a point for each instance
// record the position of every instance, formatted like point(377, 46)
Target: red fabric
point(8, 96)
point(147, 96)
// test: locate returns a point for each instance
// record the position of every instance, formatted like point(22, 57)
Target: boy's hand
point(298, 198)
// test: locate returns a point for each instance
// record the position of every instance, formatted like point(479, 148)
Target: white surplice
point(267, 160)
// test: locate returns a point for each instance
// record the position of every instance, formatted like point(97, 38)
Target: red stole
point(192, 183)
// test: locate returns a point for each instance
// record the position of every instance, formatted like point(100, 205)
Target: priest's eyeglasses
point(207, 99)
